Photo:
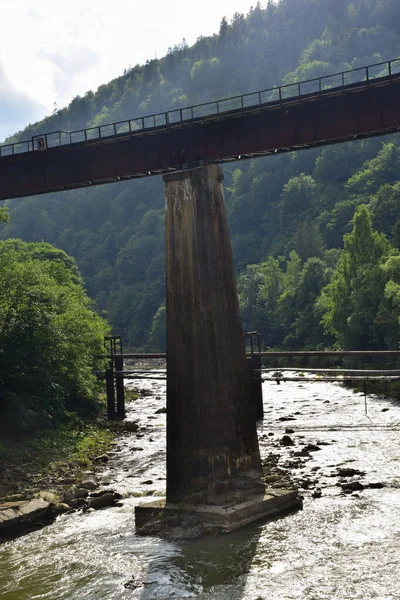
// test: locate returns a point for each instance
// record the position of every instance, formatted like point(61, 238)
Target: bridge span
point(326, 110)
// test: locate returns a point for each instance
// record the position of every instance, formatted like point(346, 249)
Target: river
point(339, 547)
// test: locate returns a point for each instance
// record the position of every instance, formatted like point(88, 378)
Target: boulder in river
point(89, 481)
point(131, 426)
point(18, 515)
point(352, 486)
point(286, 440)
point(79, 493)
point(348, 472)
point(102, 499)
point(311, 448)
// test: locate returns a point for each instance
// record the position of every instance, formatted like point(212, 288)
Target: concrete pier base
point(224, 517)
point(214, 469)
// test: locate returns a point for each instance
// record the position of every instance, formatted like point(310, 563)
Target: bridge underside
point(330, 117)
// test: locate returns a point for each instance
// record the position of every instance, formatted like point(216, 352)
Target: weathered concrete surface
point(16, 516)
point(226, 517)
point(212, 446)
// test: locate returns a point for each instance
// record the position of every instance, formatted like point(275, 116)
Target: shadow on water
point(205, 568)
point(214, 567)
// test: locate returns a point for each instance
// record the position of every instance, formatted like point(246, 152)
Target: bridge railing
point(281, 94)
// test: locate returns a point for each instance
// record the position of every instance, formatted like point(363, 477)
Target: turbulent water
point(339, 547)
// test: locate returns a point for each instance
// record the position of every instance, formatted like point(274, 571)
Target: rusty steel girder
point(316, 120)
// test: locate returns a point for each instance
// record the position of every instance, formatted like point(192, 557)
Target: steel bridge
point(326, 110)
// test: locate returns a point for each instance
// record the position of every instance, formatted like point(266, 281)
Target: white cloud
point(52, 51)
point(16, 108)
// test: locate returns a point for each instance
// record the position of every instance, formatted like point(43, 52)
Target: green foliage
point(302, 202)
point(4, 217)
point(352, 302)
point(50, 337)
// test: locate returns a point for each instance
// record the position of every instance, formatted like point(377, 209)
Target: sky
point(54, 50)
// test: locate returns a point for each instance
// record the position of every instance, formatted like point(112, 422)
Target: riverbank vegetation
point(51, 342)
point(315, 234)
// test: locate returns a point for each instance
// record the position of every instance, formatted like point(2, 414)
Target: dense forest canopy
point(315, 234)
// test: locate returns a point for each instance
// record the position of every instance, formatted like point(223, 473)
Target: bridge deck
point(292, 117)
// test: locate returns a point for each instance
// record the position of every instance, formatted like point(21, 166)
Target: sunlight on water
point(339, 547)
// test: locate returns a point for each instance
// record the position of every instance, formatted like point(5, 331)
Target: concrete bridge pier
point(213, 460)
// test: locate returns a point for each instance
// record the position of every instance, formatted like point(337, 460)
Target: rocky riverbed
point(343, 544)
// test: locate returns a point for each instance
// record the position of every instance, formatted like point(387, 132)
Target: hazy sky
point(52, 50)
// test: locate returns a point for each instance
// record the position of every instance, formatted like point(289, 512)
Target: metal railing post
point(119, 384)
point(110, 391)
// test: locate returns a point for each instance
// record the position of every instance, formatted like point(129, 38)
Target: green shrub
point(51, 340)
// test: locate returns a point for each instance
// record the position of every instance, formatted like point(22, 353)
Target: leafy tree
point(307, 240)
point(350, 302)
point(3, 215)
point(251, 302)
point(158, 338)
point(51, 340)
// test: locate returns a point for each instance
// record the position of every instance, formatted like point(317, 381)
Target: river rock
point(103, 458)
point(132, 584)
point(286, 441)
point(48, 496)
point(89, 481)
point(302, 452)
point(17, 515)
point(376, 485)
point(317, 493)
point(348, 472)
point(131, 426)
point(161, 411)
point(311, 448)
point(289, 430)
point(79, 493)
point(102, 499)
point(352, 486)
point(66, 480)
point(305, 483)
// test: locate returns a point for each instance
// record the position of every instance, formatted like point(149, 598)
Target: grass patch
point(54, 451)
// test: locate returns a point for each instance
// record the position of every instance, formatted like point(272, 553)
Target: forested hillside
point(315, 234)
